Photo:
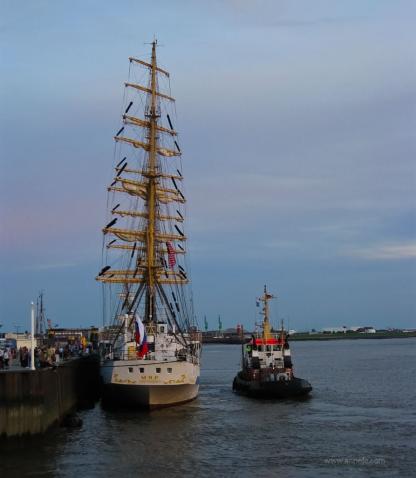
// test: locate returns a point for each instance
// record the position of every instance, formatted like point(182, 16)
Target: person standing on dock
point(6, 358)
point(24, 357)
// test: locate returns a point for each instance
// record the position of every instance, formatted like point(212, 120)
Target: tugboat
point(267, 370)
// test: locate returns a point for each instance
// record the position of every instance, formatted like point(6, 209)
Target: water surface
point(360, 421)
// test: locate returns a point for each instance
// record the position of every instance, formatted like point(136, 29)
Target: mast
point(37, 317)
point(145, 224)
point(151, 205)
point(266, 321)
point(40, 315)
point(40, 331)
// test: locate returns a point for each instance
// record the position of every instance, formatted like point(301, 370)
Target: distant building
point(231, 330)
point(366, 330)
point(22, 339)
point(75, 335)
point(334, 330)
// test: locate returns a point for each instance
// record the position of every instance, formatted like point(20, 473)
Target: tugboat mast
point(266, 321)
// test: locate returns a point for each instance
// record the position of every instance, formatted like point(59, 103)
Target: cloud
point(385, 252)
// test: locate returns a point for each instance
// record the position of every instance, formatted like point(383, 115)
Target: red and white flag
point(171, 255)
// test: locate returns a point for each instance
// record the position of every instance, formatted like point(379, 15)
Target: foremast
point(152, 232)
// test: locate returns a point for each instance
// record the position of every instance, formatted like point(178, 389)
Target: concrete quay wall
point(32, 401)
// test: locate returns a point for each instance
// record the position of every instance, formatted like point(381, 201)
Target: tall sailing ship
point(153, 347)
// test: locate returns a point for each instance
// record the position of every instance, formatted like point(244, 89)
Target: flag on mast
point(171, 255)
point(140, 337)
point(139, 332)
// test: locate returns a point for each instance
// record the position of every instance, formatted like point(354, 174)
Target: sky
point(296, 123)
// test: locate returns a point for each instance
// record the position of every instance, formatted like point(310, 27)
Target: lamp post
point(32, 350)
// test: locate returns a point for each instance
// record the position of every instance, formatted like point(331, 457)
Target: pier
point(31, 401)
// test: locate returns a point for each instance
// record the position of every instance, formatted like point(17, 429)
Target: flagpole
point(32, 350)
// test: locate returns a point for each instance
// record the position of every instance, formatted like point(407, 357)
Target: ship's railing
point(193, 359)
point(181, 355)
point(195, 336)
point(133, 356)
point(270, 374)
point(272, 339)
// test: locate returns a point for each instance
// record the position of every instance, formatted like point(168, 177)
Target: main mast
point(151, 205)
point(149, 236)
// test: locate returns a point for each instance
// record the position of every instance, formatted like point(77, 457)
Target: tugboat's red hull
point(295, 387)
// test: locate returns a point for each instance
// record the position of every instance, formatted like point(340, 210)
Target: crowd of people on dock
point(44, 356)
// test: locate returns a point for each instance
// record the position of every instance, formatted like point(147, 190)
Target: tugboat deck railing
point(269, 341)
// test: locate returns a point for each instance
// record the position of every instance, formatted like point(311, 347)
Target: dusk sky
point(297, 123)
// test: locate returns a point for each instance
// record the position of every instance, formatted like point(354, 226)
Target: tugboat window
point(157, 370)
point(141, 369)
point(169, 370)
point(130, 369)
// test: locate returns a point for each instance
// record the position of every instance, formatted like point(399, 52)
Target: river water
point(360, 421)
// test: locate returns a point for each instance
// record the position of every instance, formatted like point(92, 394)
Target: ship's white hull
point(149, 383)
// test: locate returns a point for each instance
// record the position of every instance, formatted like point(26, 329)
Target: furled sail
point(137, 188)
point(137, 235)
point(146, 146)
point(146, 124)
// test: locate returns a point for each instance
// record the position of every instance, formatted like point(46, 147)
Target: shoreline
point(318, 337)
point(360, 336)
